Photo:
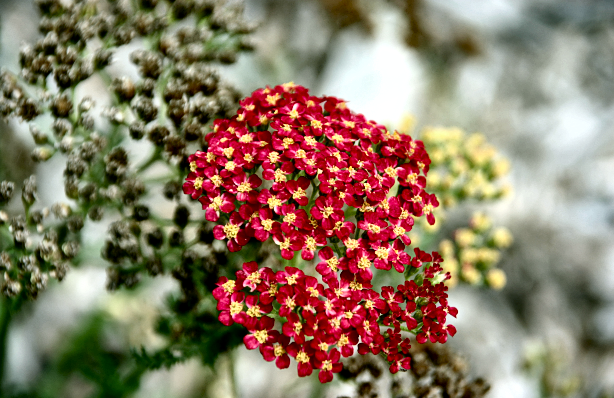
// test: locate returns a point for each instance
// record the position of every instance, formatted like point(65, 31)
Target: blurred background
point(536, 77)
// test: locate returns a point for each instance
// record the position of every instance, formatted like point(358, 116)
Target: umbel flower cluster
point(313, 176)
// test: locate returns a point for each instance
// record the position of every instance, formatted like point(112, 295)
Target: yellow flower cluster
point(464, 167)
point(471, 256)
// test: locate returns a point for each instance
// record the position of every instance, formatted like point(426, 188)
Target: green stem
point(5, 319)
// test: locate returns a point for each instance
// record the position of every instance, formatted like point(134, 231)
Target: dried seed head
point(6, 191)
point(28, 193)
point(124, 88)
point(61, 106)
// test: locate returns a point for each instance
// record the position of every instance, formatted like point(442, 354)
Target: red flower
point(328, 363)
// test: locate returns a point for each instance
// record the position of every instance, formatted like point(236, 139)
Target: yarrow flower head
point(322, 181)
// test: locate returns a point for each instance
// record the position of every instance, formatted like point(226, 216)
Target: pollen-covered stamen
point(272, 99)
point(349, 124)
point(254, 278)
point(374, 228)
point(398, 230)
point(404, 214)
point(391, 171)
point(261, 336)
point(291, 279)
point(229, 286)
point(279, 176)
point(267, 224)
point(193, 166)
point(287, 141)
point(285, 245)
point(244, 187)
point(382, 253)
point(313, 292)
point(299, 193)
point(246, 138)
point(198, 182)
point(323, 346)
point(289, 218)
point(235, 308)
point(364, 263)
point(427, 209)
point(216, 203)
point(302, 357)
point(254, 312)
point(332, 263)
point(316, 124)
point(369, 304)
point(248, 158)
point(230, 165)
point(278, 350)
point(228, 151)
point(337, 138)
point(351, 244)
point(349, 314)
point(273, 202)
point(216, 180)
point(273, 157)
point(231, 230)
point(310, 243)
point(310, 141)
point(356, 286)
point(328, 210)
point(343, 340)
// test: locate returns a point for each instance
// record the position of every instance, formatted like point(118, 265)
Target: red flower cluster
point(311, 175)
point(321, 324)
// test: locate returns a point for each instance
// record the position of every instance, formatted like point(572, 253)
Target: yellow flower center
point(273, 157)
point(273, 202)
point(198, 182)
point(267, 224)
point(302, 357)
point(231, 230)
point(332, 263)
point(244, 187)
point(290, 218)
point(382, 253)
point(285, 245)
point(229, 286)
point(343, 340)
point(398, 230)
point(254, 278)
point(272, 99)
point(364, 263)
point(193, 166)
point(228, 151)
point(230, 165)
point(261, 336)
point(351, 244)
point(216, 180)
point(328, 210)
point(310, 243)
point(278, 350)
point(287, 142)
point(235, 308)
point(279, 176)
point(311, 141)
point(254, 312)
